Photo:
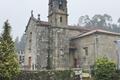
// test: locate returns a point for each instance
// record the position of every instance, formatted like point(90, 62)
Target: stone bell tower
point(57, 15)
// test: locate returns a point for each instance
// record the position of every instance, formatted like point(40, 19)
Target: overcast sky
point(18, 11)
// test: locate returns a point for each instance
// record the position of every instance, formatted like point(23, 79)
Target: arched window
point(61, 4)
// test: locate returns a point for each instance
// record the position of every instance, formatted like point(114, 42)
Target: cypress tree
point(9, 65)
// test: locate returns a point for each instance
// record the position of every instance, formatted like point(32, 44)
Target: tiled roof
point(97, 31)
point(43, 23)
point(79, 28)
point(46, 24)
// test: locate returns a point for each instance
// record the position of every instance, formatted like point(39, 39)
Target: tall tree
point(100, 22)
point(9, 65)
point(84, 21)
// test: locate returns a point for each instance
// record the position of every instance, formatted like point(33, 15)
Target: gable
point(31, 22)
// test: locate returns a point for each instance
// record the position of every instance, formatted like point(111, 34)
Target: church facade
point(54, 44)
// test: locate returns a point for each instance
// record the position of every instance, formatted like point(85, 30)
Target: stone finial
point(31, 13)
point(39, 17)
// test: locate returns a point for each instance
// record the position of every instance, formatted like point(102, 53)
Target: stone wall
point(42, 47)
point(60, 48)
point(53, 41)
point(93, 46)
point(30, 47)
point(45, 75)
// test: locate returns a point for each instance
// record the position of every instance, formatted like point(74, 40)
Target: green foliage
point(8, 58)
point(96, 21)
point(100, 22)
point(46, 75)
point(104, 69)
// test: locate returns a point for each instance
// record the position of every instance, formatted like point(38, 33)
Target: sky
point(18, 11)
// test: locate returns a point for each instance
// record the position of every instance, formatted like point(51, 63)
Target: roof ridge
point(97, 30)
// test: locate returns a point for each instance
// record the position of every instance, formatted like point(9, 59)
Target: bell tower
point(57, 14)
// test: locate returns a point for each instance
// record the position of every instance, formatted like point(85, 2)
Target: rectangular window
point(75, 63)
point(61, 19)
point(29, 61)
point(20, 58)
point(30, 41)
point(86, 50)
point(23, 59)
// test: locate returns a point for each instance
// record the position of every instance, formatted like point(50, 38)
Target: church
point(54, 44)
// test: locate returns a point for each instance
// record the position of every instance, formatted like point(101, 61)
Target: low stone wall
point(46, 75)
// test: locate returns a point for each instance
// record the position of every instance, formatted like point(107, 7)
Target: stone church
point(55, 44)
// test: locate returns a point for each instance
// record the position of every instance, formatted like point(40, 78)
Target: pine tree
point(9, 65)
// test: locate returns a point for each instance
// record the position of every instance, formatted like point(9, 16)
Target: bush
point(104, 69)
